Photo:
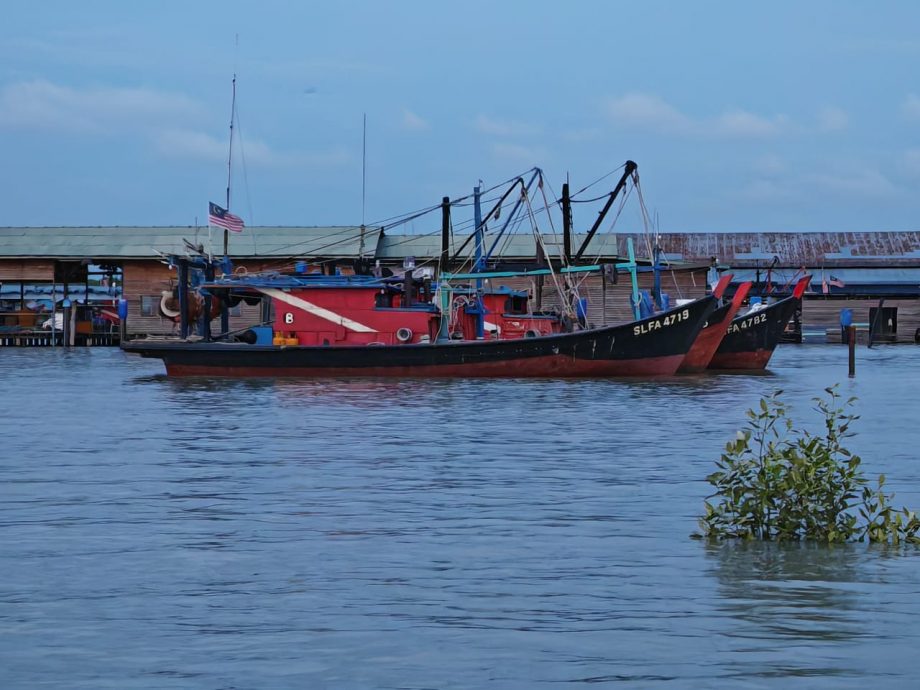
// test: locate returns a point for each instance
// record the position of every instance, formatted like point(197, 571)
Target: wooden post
point(851, 342)
point(67, 329)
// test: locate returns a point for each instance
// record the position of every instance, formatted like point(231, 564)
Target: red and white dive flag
point(222, 218)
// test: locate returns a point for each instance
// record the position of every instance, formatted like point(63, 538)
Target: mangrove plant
point(777, 482)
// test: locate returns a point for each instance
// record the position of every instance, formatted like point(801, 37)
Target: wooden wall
point(152, 278)
point(612, 305)
point(824, 314)
point(40, 270)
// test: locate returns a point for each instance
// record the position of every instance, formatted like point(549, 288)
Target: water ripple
point(161, 533)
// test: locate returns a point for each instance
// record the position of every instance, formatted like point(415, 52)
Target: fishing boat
point(715, 328)
point(368, 326)
point(430, 321)
point(752, 337)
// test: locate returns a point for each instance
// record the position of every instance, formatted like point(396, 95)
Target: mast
point(445, 233)
point(478, 265)
point(224, 311)
point(566, 225)
point(443, 287)
point(630, 168)
point(230, 159)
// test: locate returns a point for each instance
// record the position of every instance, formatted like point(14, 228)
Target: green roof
point(140, 242)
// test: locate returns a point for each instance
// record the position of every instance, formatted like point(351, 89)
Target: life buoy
point(169, 306)
point(532, 333)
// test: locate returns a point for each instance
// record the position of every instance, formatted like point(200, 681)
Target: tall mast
point(224, 311)
point(230, 159)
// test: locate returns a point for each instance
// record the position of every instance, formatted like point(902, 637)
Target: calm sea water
point(159, 533)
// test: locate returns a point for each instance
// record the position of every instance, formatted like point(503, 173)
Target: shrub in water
point(775, 482)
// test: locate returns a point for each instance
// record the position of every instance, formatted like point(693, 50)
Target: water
point(159, 533)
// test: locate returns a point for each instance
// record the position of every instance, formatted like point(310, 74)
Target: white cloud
point(911, 107)
point(413, 122)
point(740, 123)
point(43, 105)
point(504, 128)
point(767, 191)
point(911, 162)
point(648, 111)
point(200, 146)
point(831, 119)
point(166, 120)
point(863, 183)
point(578, 136)
point(769, 165)
point(515, 153)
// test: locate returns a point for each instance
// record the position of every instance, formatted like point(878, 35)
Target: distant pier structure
point(875, 275)
point(49, 274)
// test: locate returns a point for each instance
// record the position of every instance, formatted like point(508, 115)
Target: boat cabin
point(353, 310)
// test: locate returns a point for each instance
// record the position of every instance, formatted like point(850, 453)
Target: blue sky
point(742, 116)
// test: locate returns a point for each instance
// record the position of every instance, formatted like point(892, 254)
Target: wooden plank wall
point(29, 269)
point(152, 278)
point(614, 307)
point(824, 314)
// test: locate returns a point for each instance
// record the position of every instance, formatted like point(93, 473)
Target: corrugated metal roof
point(794, 248)
point(511, 246)
point(813, 249)
point(139, 242)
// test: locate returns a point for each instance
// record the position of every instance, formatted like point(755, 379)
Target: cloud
point(413, 122)
point(578, 136)
point(864, 183)
point(647, 111)
point(831, 119)
point(165, 120)
point(910, 162)
point(504, 128)
point(769, 165)
point(516, 154)
point(41, 105)
point(200, 146)
point(911, 106)
point(740, 123)
point(767, 191)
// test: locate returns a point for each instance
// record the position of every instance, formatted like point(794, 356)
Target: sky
point(742, 117)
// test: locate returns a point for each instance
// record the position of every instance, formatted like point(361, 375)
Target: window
point(148, 305)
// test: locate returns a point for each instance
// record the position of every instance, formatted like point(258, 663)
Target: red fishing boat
point(715, 328)
point(751, 338)
point(367, 326)
point(412, 325)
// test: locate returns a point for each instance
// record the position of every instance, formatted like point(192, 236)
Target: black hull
point(653, 346)
point(751, 338)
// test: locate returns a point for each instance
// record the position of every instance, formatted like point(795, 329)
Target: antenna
point(364, 170)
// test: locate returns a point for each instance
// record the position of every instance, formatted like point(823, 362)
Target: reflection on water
point(799, 591)
point(378, 533)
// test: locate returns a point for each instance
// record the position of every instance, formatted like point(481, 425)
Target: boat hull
point(714, 331)
point(751, 338)
point(654, 346)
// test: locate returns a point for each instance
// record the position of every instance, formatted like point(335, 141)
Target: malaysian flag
point(222, 218)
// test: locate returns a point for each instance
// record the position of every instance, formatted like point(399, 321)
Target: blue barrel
point(301, 267)
point(122, 309)
point(846, 317)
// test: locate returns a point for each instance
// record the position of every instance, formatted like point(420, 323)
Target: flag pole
point(230, 160)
